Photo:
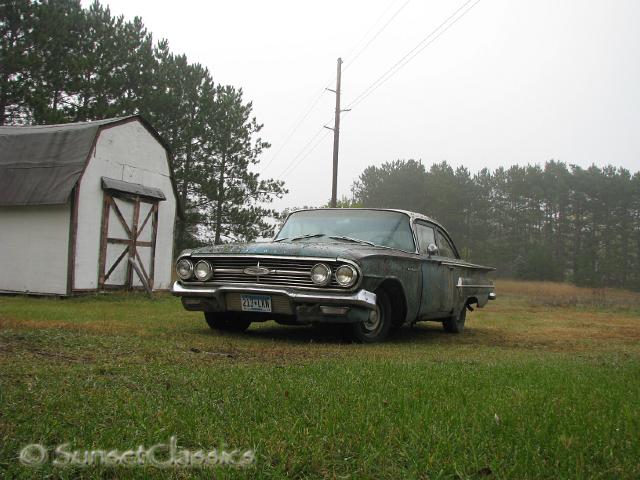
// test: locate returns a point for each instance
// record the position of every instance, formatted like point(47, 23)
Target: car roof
point(411, 215)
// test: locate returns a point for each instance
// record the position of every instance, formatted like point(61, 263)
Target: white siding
point(34, 247)
point(126, 152)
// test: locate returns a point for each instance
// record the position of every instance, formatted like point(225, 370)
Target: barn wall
point(34, 247)
point(125, 152)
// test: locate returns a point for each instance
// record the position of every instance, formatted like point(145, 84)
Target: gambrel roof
point(40, 165)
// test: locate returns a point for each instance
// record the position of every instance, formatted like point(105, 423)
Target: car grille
point(283, 272)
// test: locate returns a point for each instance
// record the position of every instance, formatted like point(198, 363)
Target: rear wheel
point(376, 327)
point(455, 323)
point(226, 321)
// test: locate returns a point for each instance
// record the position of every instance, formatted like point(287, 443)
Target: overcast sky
point(510, 82)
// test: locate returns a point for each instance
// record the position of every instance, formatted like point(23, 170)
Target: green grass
point(528, 391)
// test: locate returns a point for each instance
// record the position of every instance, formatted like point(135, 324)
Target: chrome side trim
point(361, 298)
point(463, 264)
point(463, 285)
point(475, 286)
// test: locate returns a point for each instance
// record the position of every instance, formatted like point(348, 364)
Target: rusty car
point(373, 270)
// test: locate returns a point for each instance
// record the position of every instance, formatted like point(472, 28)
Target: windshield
point(388, 229)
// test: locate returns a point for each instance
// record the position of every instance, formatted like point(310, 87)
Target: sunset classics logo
point(161, 455)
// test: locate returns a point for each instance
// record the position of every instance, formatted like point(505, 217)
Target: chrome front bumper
point(361, 298)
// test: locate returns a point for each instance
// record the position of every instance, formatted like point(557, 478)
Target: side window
point(446, 250)
point(426, 235)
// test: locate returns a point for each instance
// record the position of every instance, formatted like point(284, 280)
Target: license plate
point(255, 303)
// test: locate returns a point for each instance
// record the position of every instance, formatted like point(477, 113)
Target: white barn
point(85, 207)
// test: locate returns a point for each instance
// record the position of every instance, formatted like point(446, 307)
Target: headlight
point(203, 271)
point(346, 275)
point(321, 274)
point(184, 269)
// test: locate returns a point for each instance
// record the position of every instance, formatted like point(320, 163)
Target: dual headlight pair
point(346, 275)
point(202, 270)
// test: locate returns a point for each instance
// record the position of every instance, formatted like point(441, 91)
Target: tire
point(226, 321)
point(455, 323)
point(375, 330)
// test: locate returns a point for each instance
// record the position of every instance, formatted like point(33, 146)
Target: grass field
point(544, 383)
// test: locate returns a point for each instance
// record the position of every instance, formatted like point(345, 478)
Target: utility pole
point(336, 136)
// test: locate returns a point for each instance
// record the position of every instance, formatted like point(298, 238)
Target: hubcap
point(373, 321)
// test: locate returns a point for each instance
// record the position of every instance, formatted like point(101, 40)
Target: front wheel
point(455, 323)
point(226, 321)
point(376, 327)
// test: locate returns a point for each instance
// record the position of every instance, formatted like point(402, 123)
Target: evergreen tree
point(16, 32)
point(550, 223)
point(232, 195)
point(62, 63)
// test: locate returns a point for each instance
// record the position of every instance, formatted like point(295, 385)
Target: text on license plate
point(255, 303)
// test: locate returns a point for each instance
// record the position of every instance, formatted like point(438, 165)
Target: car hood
point(334, 250)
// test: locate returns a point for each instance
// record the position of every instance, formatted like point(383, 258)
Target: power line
point(316, 99)
point(302, 153)
point(377, 34)
point(411, 54)
point(295, 157)
point(389, 73)
point(299, 162)
point(366, 34)
point(295, 127)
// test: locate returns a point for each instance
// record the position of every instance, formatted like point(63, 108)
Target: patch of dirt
point(95, 327)
point(19, 345)
point(266, 344)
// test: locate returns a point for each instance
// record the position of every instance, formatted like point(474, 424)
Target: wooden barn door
point(128, 240)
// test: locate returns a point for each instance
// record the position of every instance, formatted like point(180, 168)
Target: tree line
point(553, 222)
point(63, 63)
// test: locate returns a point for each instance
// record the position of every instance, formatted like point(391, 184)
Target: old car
point(374, 269)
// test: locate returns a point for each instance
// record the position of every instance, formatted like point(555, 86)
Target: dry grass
point(567, 295)
point(527, 317)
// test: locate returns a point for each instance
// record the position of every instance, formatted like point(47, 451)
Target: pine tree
point(16, 31)
point(232, 195)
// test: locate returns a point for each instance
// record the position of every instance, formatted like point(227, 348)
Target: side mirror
point(432, 249)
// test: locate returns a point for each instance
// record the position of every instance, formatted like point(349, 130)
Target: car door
point(448, 257)
point(437, 277)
